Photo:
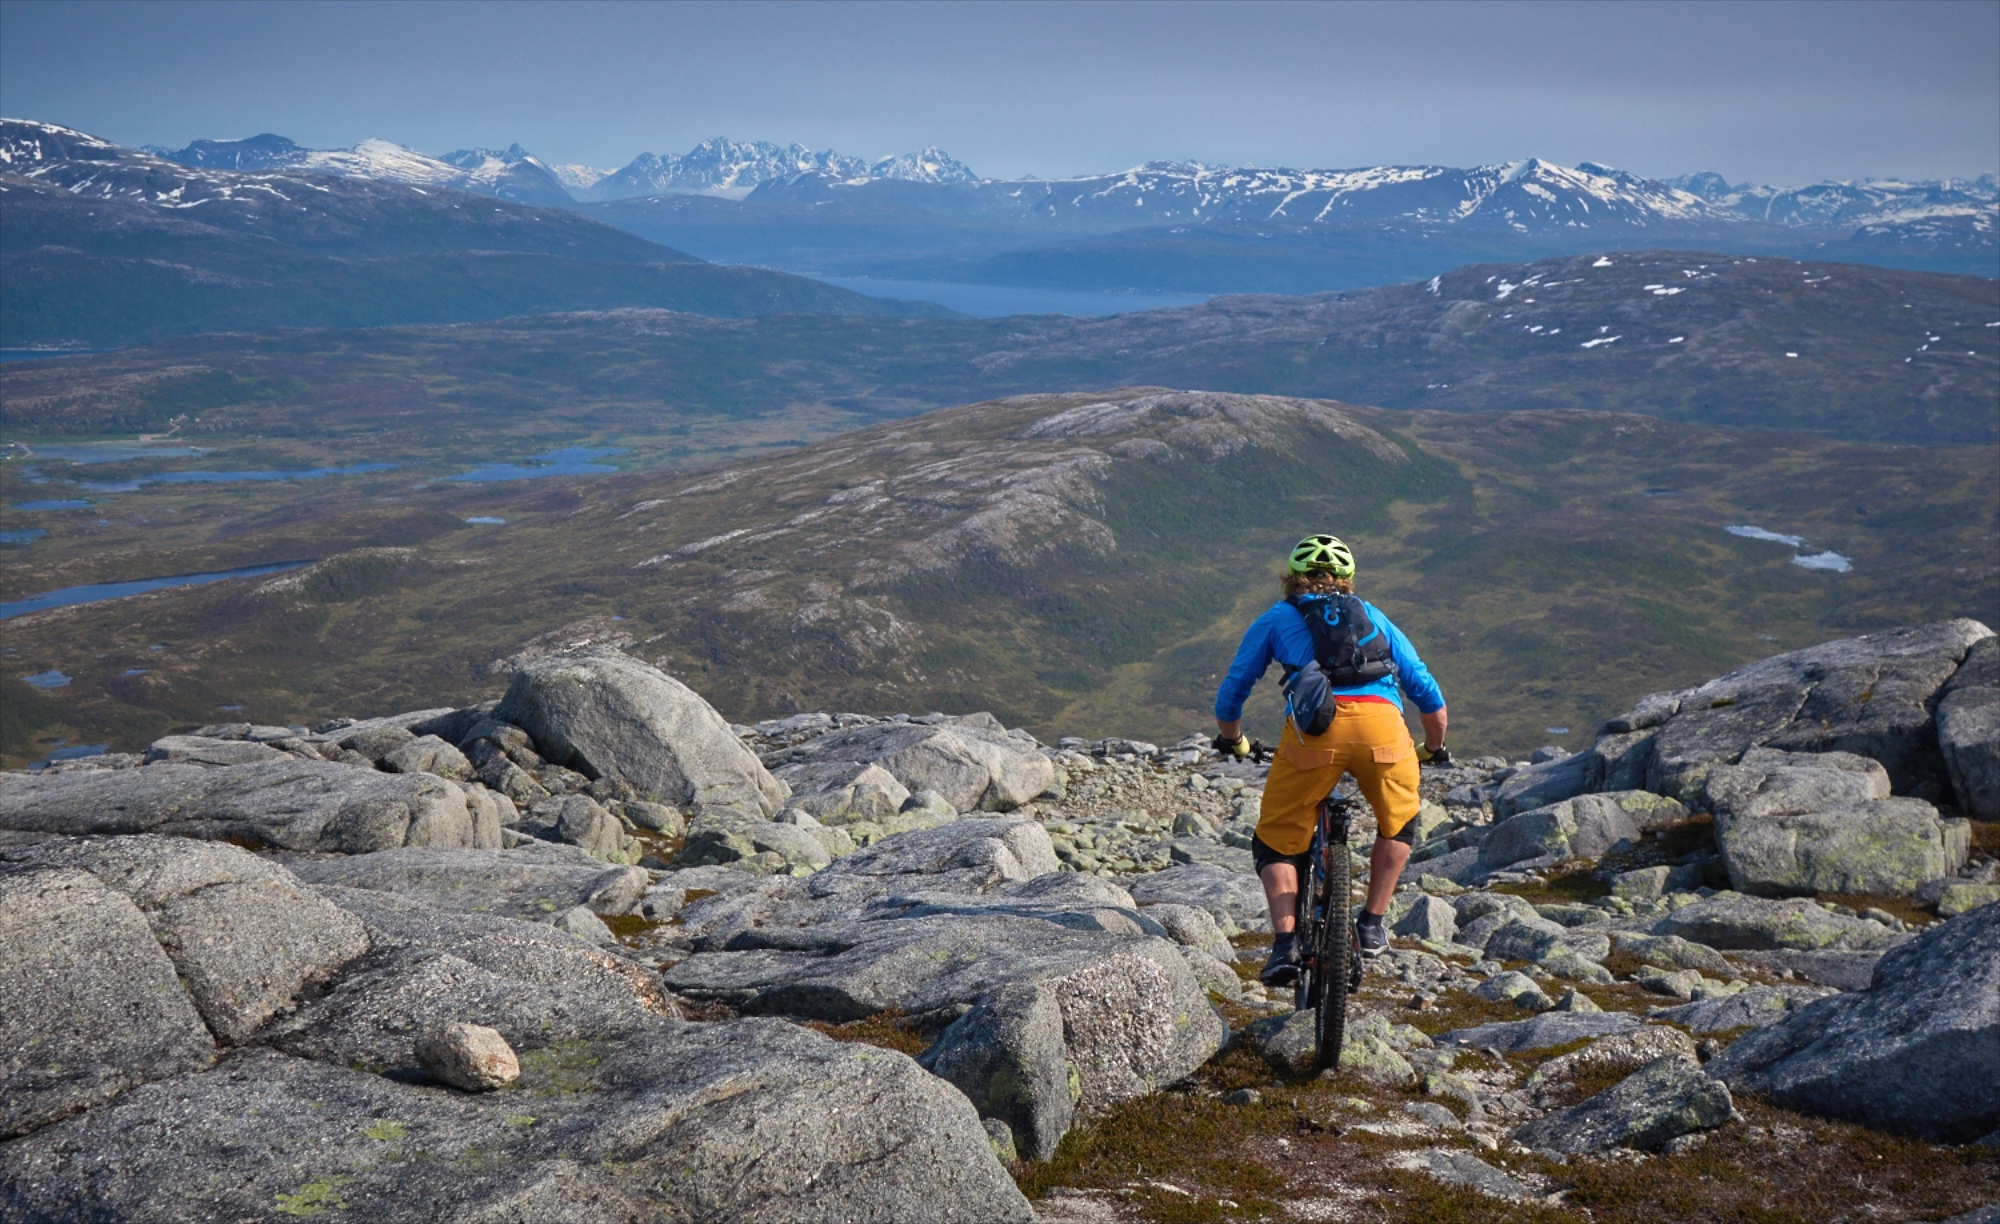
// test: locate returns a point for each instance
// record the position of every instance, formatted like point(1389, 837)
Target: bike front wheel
point(1333, 956)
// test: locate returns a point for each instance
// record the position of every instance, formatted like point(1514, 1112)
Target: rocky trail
point(589, 952)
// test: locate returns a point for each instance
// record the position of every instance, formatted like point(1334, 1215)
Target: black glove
point(1240, 747)
point(1436, 758)
point(1259, 753)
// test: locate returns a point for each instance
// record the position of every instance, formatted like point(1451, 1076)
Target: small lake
point(21, 537)
point(486, 520)
point(100, 591)
point(56, 503)
point(569, 461)
point(1830, 561)
point(50, 679)
point(999, 301)
point(75, 752)
point(170, 478)
point(106, 452)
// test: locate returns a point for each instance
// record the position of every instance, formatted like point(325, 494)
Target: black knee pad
point(1409, 834)
point(1262, 856)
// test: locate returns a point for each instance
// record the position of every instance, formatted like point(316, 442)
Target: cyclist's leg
point(1301, 775)
point(1384, 763)
point(1280, 875)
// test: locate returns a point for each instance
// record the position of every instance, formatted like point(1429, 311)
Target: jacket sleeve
point(1411, 674)
point(1253, 657)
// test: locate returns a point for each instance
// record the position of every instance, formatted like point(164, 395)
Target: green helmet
point(1323, 554)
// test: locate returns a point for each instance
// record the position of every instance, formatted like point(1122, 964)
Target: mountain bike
point(1329, 962)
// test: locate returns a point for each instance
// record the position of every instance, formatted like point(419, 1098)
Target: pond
point(568, 461)
point(21, 537)
point(75, 752)
point(50, 679)
point(56, 503)
point(127, 486)
point(1830, 561)
point(105, 452)
point(97, 592)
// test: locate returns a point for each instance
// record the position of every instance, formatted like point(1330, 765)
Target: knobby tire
point(1334, 957)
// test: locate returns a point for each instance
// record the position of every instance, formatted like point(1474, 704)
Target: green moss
point(564, 1068)
point(314, 1198)
point(384, 1131)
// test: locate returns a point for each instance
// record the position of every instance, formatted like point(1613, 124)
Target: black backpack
point(1349, 650)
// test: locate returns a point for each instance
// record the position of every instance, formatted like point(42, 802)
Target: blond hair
point(1318, 582)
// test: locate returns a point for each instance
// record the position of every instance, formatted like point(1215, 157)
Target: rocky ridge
point(587, 943)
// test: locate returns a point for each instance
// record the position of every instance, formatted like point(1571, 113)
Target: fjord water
point(97, 592)
point(1000, 301)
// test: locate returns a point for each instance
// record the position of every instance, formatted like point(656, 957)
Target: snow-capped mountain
point(346, 200)
point(1860, 203)
point(734, 168)
point(578, 178)
point(1524, 196)
point(508, 175)
point(933, 165)
point(720, 167)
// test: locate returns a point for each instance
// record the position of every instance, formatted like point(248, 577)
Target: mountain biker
point(1367, 738)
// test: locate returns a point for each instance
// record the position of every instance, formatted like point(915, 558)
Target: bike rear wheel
point(1333, 955)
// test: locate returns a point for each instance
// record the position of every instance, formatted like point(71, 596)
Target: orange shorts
point(1367, 739)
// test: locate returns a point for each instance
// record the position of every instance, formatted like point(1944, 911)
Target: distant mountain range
point(1177, 225)
point(106, 246)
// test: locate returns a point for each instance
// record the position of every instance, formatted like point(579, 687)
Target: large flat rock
point(1873, 696)
point(753, 1121)
point(1804, 823)
point(289, 805)
point(243, 934)
point(1730, 920)
point(1234, 898)
point(89, 1003)
point(536, 880)
point(974, 768)
point(1918, 1053)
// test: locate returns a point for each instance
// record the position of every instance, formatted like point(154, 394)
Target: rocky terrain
point(588, 951)
point(1081, 563)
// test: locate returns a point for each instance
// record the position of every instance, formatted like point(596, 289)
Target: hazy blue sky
point(1772, 91)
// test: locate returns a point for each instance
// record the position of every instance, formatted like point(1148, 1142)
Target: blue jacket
point(1281, 634)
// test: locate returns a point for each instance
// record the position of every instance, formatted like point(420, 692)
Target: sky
point(1771, 91)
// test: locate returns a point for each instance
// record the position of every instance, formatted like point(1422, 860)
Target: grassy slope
point(1522, 552)
point(1866, 368)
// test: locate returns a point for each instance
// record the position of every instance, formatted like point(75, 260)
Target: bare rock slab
point(1234, 898)
point(974, 768)
point(1872, 696)
point(1918, 1053)
point(752, 1121)
point(1798, 823)
point(1665, 1099)
point(1460, 1168)
point(535, 881)
point(245, 936)
point(290, 805)
point(1729, 920)
point(89, 1003)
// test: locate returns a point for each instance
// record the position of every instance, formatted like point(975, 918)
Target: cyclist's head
point(1322, 554)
